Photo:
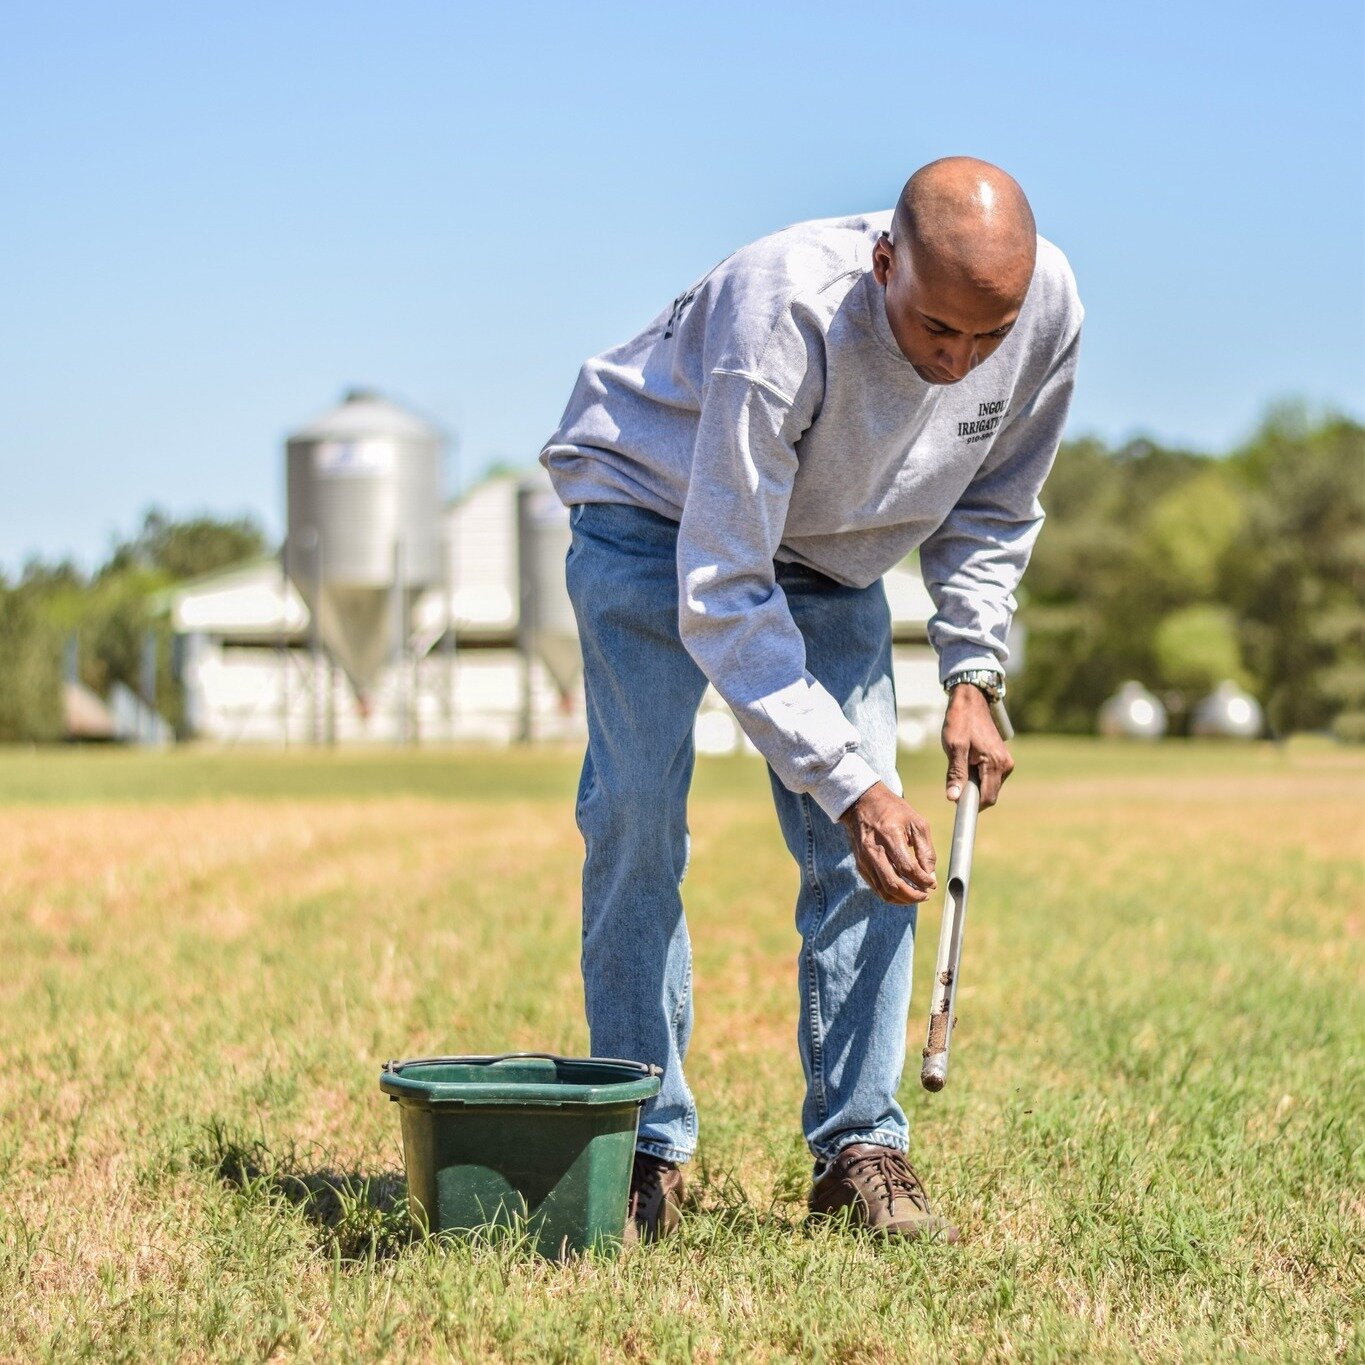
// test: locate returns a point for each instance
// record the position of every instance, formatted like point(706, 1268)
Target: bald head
point(964, 218)
point(956, 267)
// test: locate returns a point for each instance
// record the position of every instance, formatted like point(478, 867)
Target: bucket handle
point(395, 1065)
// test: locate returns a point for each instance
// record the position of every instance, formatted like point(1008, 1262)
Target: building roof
point(252, 600)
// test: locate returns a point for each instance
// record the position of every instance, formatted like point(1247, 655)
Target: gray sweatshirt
point(770, 412)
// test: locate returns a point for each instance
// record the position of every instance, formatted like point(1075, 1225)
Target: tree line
point(1180, 570)
point(1175, 568)
point(55, 615)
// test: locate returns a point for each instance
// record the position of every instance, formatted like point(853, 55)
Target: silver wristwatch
point(991, 682)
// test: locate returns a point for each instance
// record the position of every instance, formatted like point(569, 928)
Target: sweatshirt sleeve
point(733, 616)
point(973, 561)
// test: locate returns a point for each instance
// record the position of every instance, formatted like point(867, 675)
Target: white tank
point(1228, 713)
point(546, 624)
point(364, 523)
point(1133, 713)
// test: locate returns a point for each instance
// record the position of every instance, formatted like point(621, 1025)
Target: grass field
point(1153, 1136)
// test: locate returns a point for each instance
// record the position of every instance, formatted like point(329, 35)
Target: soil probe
point(934, 1073)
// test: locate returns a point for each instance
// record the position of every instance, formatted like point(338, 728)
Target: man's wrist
point(850, 813)
point(845, 785)
point(988, 681)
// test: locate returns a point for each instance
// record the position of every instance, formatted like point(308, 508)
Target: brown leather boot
point(881, 1192)
point(656, 1196)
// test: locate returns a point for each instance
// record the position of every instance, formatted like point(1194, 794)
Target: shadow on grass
point(357, 1217)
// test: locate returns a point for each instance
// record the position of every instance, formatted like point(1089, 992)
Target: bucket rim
point(635, 1089)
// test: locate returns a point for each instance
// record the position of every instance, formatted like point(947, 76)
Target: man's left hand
point(971, 740)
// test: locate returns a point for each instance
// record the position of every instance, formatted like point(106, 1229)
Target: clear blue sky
point(216, 216)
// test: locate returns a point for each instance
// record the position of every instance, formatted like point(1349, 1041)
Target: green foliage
point(1182, 570)
point(1349, 727)
point(1196, 648)
point(109, 614)
point(1186, 538)
point(186, 549)
point(1300, 581)
point(30, 672)
point(116, 618)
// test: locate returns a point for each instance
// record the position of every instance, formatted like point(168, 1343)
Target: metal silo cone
point(364, 515)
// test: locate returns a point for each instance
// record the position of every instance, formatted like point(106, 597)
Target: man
point(740, 475)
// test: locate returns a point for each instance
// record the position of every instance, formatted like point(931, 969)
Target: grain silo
point(364, 527)
point(1132, 713)
point(1228, 712)
point(547, 628)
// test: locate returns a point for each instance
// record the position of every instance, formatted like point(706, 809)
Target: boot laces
point(895, 1175)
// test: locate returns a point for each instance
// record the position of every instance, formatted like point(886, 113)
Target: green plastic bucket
point(525, 1139)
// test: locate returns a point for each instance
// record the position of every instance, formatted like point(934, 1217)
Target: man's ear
point(883, 258)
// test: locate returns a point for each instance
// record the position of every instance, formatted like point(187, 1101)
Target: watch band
point(987, 680)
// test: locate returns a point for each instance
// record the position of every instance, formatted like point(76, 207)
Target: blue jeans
point(643, 691)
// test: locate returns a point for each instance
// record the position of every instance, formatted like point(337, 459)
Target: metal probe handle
point(1001, 717)
point(934, 1073)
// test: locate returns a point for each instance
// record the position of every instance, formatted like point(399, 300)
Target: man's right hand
point(891, 846)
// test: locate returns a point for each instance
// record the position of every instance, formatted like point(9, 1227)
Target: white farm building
point(253, 673)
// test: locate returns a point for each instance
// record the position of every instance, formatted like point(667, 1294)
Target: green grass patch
point(1153, 1136)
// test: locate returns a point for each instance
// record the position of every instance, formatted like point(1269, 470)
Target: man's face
point(946, 326)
